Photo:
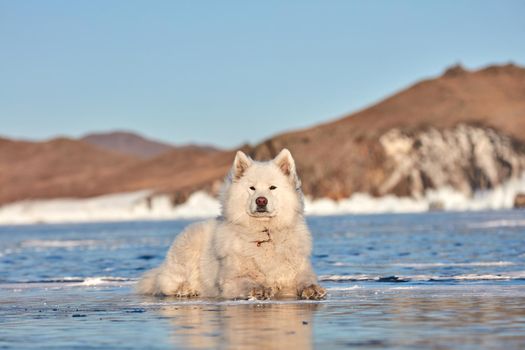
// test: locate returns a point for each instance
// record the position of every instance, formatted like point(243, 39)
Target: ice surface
point(418, 281)
point(354, 316)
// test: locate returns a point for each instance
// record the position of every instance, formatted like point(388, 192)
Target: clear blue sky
point(228, 72)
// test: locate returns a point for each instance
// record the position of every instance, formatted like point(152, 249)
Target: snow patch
point(446, 198)
point(504, 276)
point(466, 264)
point(140, 205)
point(498, 223)
point(144, 205)
point(41, 243)
point(354, 287)
point(437, 264)
point(104, 280)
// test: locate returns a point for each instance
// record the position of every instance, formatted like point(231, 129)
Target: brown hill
point(127, 143)
point(463, 130)
point(71, 168)
point(179, 172)
point(493, 97)
point(350, 155)
point(56, 168)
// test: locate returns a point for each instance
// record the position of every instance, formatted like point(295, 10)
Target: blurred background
point(131, 109)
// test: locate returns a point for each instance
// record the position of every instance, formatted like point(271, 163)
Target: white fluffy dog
point(259, 248)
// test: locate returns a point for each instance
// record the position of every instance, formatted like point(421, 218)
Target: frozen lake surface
point(435, 280)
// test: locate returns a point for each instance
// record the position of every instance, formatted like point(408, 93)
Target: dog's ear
point(285, 162)
point(240, 164)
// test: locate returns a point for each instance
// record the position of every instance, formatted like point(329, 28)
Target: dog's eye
point(252, 188)
point(272, 188)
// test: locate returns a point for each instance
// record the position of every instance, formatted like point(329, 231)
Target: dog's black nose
point(261, 201)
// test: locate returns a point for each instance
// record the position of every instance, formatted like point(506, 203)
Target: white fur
point(244, 253)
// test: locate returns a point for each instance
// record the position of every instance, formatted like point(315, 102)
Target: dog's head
point(267, 192)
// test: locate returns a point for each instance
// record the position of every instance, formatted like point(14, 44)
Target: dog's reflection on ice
point(241, 326)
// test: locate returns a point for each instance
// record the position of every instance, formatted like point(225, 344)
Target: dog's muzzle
point(261, 203)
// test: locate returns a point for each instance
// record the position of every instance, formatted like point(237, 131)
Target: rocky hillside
point(463, 129)
point(464, 157)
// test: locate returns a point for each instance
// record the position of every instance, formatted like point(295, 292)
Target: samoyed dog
point(259, 248)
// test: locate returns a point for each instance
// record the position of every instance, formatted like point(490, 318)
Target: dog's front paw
point(313, 292)
point(261, 293)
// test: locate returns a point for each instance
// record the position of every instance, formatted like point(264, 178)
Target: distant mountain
point(127, 143)
point(65, 167)
point(462, 130)
point(57, 168)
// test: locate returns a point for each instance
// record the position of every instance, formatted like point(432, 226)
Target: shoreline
point(144, 205)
